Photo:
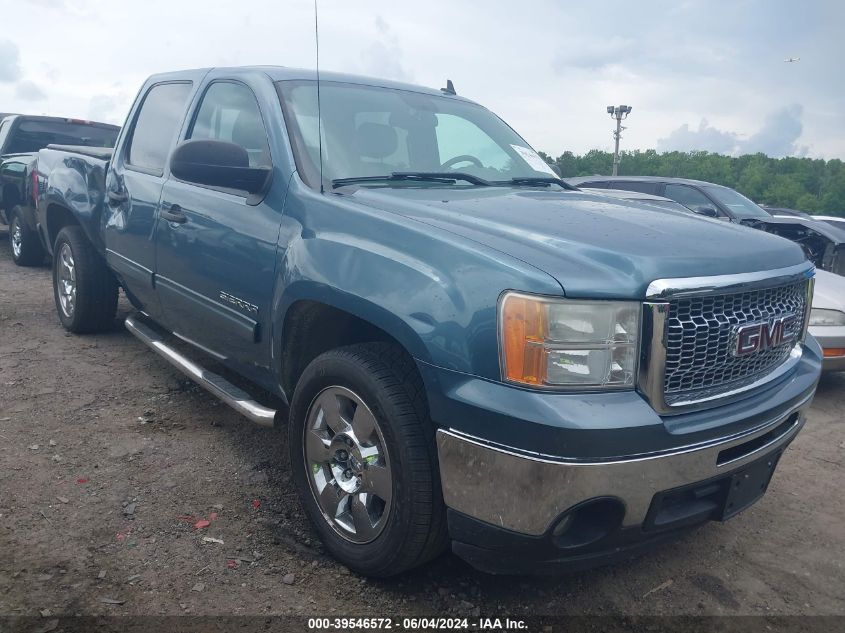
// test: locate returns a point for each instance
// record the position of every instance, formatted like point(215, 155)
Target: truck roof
point(285, 73)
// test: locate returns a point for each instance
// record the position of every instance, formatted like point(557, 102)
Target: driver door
point(215, 247)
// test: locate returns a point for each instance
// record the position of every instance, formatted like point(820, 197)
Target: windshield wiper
point(441, 177)
point(534, 181)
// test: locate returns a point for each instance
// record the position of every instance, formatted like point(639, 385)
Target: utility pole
point(618, 113)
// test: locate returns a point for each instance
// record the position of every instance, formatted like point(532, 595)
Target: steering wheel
point(463, 158)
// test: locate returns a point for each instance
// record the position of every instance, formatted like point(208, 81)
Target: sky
point(700, 75)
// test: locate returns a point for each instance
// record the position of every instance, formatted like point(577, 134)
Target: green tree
point(806, 184)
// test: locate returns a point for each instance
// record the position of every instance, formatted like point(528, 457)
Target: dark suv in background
point(823, 243)
point(702, 197)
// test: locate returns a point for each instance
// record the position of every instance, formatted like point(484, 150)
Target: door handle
point(117, 197)
point(173, 213)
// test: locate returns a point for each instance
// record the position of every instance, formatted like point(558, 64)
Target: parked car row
point(467, 351)
point(820, 237)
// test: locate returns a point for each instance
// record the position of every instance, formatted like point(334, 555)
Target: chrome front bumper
point(526, 494)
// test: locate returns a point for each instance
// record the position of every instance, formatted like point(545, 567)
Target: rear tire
point(380, 382)
point(84, 288)
point(26, 245)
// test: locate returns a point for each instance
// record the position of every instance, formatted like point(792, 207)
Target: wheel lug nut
point(347, 473)
point(342, 456)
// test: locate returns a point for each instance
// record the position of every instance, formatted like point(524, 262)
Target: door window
point(157, 124)
point(229, 112)
point(689, 197)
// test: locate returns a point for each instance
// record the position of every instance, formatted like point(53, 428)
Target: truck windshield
point(740, 206)
point(33, 135)
point(372, 132)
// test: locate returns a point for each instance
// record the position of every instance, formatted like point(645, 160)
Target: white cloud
point(548, 68)
point(10, 68)
point(383, 57)
point(29, 91)
point(778, 136)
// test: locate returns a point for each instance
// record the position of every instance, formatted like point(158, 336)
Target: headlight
point(569, 343)
point(819, 316)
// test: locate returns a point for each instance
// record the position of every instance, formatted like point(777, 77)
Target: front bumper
point(513, 510)
point(830, 338)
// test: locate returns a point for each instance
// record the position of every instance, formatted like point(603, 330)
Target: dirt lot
point(106, 453)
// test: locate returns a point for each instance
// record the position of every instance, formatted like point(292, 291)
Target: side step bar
point(236, 398)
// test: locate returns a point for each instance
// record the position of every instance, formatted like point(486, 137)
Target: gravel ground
point(108, 458)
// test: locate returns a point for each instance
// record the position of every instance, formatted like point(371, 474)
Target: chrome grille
point(700, 362)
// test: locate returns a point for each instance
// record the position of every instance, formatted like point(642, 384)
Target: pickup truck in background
point(21, 136)
point(465, 349)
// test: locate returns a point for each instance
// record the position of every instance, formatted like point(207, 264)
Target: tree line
point(805, 184)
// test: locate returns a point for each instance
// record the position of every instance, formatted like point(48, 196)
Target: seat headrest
point(376, 140)
point(248, 130)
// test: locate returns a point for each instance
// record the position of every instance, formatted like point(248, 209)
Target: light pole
point(618, 113)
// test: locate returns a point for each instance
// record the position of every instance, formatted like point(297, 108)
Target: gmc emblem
point(758, 337)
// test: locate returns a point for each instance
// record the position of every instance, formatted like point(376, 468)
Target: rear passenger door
point(215, 265)
point(134, 186)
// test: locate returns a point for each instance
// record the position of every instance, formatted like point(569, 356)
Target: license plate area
point(715, 499)
point(749, 484)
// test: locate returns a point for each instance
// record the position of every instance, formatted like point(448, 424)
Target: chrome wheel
point(16, 234)
point(348, 465)
point(67, 280)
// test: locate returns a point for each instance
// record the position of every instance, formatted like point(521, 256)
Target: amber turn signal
point(525, 326)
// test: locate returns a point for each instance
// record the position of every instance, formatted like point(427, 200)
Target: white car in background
point(827, 319)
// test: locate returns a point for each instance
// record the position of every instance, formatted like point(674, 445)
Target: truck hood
point(594, 246)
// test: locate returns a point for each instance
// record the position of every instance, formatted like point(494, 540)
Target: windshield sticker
point(533, 159)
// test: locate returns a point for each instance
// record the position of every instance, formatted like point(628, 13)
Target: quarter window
point(634, 185)
point(229, 112)
point(689, 197)
point(157, 124)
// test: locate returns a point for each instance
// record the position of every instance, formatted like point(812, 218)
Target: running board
point(236, 398)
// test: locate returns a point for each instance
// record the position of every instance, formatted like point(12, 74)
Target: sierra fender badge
point(225, 297)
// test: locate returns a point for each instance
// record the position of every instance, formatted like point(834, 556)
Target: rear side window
point(31, 135)
point(689, 197)
point(157, 124)
point(635, 185)
point(229, 112)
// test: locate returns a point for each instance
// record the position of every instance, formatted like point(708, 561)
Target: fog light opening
point(588, 523)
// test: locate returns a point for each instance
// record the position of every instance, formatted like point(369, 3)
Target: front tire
point(363, 458)
point(25, 243)
point(84, 288)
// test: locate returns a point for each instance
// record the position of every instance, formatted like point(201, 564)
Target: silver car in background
point(827, 319)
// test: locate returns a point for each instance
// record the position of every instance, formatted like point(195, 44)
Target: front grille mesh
point(700, 339)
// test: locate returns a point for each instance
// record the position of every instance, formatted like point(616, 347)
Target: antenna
point(319, 110)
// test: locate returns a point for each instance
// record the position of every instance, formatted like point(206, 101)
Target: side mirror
point(710, 212)
point(217, 164)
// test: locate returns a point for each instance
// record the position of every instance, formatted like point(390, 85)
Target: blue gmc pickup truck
point(466, 350)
